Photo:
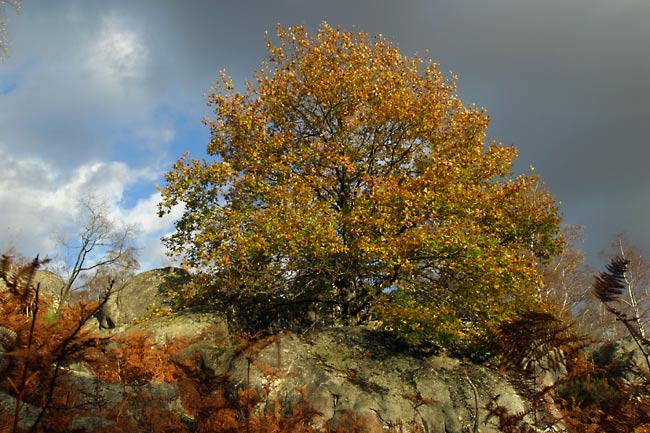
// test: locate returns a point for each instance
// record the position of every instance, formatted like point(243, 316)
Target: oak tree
point(349, 181)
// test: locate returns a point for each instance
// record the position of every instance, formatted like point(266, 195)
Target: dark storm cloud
point(564, 81)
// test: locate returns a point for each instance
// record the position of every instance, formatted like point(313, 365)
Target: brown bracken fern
point(611, 396)
point(608, 288)
point(39, 349)
point(535, 345)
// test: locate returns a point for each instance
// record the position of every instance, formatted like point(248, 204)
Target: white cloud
point(106, 180)
point(152, 228)
point(144, 214)
point(40, 204)
point(83, 97)
point(118, 56)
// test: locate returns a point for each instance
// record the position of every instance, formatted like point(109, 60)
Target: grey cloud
point(73, 95)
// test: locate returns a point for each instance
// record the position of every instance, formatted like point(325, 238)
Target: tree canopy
point(348, 182)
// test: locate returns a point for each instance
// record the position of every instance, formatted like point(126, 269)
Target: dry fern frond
point(535, 336)
point(507, 422)
point(18, 278)
point(608, 286)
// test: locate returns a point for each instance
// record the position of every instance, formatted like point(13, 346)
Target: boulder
point(207, 331)
point(28, 412)
point(187, 324)
point(622, 352)
point(48, 282)
point(623, 360)
point(136, 298)
point(94, 394)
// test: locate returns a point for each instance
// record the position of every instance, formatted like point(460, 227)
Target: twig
point(475, 428)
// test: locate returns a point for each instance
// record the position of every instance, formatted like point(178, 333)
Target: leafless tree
point(567, 277)
point(101, 253)
point(635, 299)
point(568, 283)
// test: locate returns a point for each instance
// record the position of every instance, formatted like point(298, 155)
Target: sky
point(103, 97)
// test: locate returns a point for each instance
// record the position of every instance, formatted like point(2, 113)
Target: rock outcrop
point(48, 282)
point(339, 371)
point(343, 370)
point(139, 294)
point(356, 370)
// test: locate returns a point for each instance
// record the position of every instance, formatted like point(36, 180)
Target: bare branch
point(102, 251)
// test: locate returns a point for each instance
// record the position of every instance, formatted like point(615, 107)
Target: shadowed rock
point(138, 295)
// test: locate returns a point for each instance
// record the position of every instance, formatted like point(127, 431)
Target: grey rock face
point(48, 282)
point(28, 413)
point(134, 299)
point(337, 370)
point(625, 359)
point(344, 370)
point(349, 369)
point(189, 324)
point(623, 351)
point(93, 393)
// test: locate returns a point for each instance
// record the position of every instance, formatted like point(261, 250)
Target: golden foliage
point(348, 176)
